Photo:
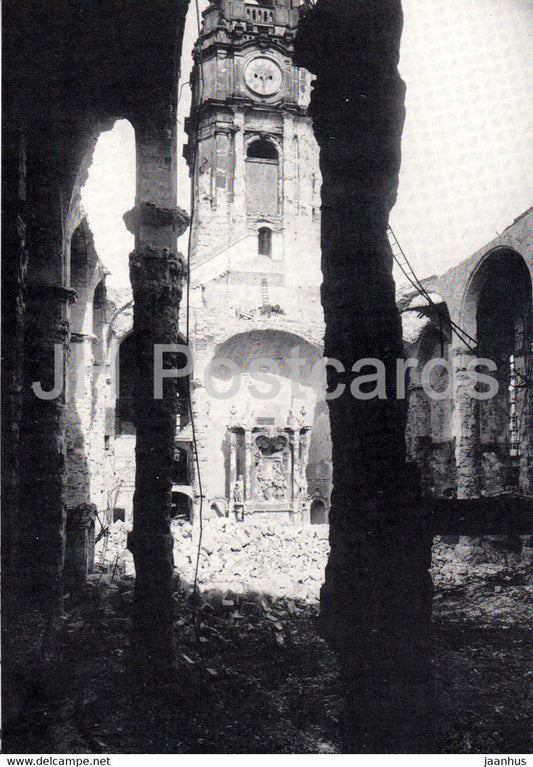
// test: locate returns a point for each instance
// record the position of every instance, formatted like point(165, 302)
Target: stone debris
point(270, 558)
point(486, 579)
point(262, 557)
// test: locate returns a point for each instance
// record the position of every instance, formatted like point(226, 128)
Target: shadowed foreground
point(252, 677)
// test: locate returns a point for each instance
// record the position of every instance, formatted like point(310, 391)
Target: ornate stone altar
point(267, 466)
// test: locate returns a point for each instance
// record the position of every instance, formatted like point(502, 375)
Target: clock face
point(263, 76)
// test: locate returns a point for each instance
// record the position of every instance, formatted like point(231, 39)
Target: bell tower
point(255, 267)
point(251, 152)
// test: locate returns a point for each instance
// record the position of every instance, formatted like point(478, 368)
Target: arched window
point(504, 327)
point(99, 317)
point(181, 506)
point(262, 178)
point(318, 514)
point(124, 408)
point(264, 241)
point(262, 149)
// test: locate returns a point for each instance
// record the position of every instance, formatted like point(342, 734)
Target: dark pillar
point(41, 530)
point(79, 552)
point(41, 538)
point(156, 277)
point(376, 601)
point(14, 270)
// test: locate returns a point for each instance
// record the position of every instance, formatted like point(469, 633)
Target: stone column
point(466, 429)
point(525, 426)
point(248, 446)
point(288, 173)
point(376, 601)
point(419, 430)
point(527, 431)
point(296, 470)
point(43, 446)
point(79, 371)
point(294, 449)
point(232, 466)
point(15, 263)
point(239, 176)
point(79, 554)
point(156, 273)
point(79, 407)
point(304, 453)
point(304, 456)
point(48, 181)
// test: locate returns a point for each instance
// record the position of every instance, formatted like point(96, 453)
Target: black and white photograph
point(267, 367)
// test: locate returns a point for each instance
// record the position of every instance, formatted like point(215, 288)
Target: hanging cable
point(471, 343)
point(189, 398)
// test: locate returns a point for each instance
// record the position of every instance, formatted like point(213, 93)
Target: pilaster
point(466, 428)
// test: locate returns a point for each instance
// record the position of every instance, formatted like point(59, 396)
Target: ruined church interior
point(220, 532)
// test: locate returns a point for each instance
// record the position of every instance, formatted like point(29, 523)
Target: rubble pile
point(486, 579)
point(263, 557)
point(240, 557)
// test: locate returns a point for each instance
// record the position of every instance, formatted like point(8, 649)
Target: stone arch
point(264, 241)
point(85, 384)
point(262, 148)
point(120, 324)
point(85, 271)
point(263, 164)
point(76, 212)
point(124, 405)
point(99, 309)
point(491, 260)
point(243, 347)
point(497, 312)
point(503, 332)
point(181, 505)
point(270, 139)
point(318, 512)
point(298, 375)
point(429, 430)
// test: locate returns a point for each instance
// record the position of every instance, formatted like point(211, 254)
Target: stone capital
point(226, 130)
point(149, 214)
point(155, 265)
point(82, 515)
point(79, 338)
point(52, 292)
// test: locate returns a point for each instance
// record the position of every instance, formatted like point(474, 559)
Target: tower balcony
point(259, 15)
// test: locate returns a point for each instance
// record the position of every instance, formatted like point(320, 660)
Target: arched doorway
point(318, 512)
point(503, 320)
